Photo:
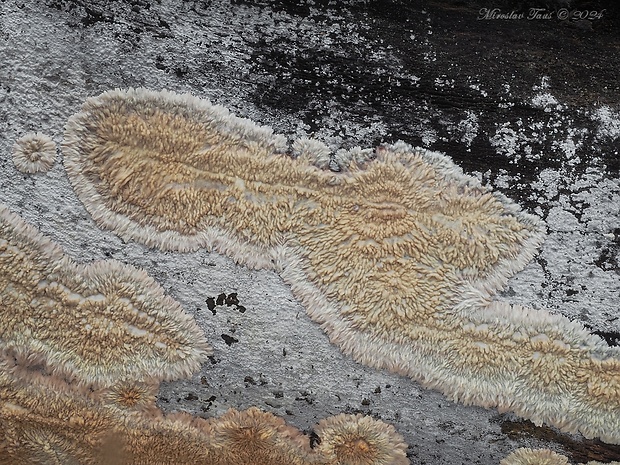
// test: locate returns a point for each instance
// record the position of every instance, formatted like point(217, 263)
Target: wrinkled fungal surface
point(397, 256)
point(98, 323)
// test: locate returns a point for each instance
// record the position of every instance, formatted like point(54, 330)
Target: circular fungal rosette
point(360, 440)
point(34, 153)
point(526, 456)
point(130, 396)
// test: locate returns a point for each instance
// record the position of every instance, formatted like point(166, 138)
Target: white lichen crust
point(97, 323)
point(34, 153)
point(397, 256)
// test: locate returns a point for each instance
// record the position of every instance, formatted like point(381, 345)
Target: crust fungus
point(526, 456)
point(34, 153)
point(360, 440)
point(397, 256)
point(98, 323)
point(40, 425)
point(68, 425)
point(133, 396)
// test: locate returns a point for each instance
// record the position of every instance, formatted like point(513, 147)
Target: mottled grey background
point(530, 107)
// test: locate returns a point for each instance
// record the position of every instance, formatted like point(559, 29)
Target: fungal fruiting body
point(34, 153)
point(526, 456)
point(66, 425)
point(397, 257)
point(98, 323)
point(82, 351)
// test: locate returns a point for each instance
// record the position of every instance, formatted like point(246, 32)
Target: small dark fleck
point(241, 308)
point(191, 396)
point(249, 379)
point(278, 394)
point(365, 402)
point(211, 304)
point(212, 359)
point(211, 399)
point(378, 390)
point(232, 299)
point(229, 340)
point(221, 299)
point(288, 412)
point(203, 380)
point(388, 386)
point(283, 352)
point(309, 398)
point(570, 292)
point(315, 440)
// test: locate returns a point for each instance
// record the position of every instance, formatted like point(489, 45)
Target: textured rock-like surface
point(99, 323)
point(57, 424)
point(397, 257)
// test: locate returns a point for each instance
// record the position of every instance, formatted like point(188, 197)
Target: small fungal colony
point(82, 351)
point(99, 323)
point(34, 153)
point(526, 456)
point(395, 252)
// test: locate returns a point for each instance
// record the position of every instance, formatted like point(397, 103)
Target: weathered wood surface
point(531, 107)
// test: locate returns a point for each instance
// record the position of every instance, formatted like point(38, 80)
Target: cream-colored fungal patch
point(65, 426)
point(360, 440)
point(100, 323)
point(397, 257)
point(526, 456)
point(34, 153)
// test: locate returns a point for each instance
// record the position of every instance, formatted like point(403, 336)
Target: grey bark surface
point(530, 107)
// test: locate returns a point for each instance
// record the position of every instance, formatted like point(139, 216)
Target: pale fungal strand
point(526, 456)
point(65, 425)
point(98, 323)
point(397, 257)
point(34, 153)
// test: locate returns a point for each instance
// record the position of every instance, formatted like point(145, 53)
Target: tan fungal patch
point(525, 456)
point(397, 256)
point(133, 396)
point(67, 426)
point(39, 425)
point(34, 153)
point(98, 323)
point(359, 440)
